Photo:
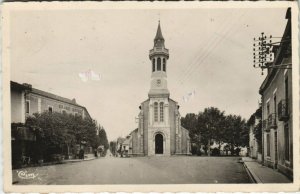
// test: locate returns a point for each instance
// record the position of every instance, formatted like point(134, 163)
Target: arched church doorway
point(159, 144)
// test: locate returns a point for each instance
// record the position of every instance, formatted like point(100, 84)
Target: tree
point(257, 130)
point(190, 123)
point(237, 132)
point(210, 125)
point(103, 139)
point(113, 147)
point(60, 130)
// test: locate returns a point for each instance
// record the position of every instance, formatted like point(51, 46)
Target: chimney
point(29, 86)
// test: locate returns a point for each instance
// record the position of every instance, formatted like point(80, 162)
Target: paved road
point(142, 170)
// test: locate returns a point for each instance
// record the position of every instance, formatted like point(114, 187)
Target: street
point(139, 170)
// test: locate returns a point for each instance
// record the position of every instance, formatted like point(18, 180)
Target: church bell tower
point(159, 56)
point(159, 119)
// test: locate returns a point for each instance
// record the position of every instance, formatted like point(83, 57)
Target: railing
point(264, 124)
point(159, 50)
point(283, 114)
point(271, 123)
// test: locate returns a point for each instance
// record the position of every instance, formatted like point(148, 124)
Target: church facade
point(159, 131)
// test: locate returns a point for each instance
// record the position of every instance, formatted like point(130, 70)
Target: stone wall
point(145, 108)
point(172, 108)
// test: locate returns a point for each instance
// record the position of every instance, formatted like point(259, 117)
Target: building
point(159, 131)
point(277, 107)
point(254, 124)
point(120, 146)
point(25, 101)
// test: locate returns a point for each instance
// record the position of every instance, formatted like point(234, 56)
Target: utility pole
point(263, 52)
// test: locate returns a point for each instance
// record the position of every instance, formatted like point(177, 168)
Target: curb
point(252, 176)
point(72, 161)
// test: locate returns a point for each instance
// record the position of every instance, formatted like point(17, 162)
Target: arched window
point(158, 64)
point(164, 64)
point(153, 65)
point(155, 111)
point(161, 111)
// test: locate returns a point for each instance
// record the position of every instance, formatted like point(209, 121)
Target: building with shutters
point(277, 107)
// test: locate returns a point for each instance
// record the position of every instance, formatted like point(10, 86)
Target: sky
point(210, 54)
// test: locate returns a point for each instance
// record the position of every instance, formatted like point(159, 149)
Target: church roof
point(133, 131)
point(172, 100)
point(120, 140)
point(158, 33)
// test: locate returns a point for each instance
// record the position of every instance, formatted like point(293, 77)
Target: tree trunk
point(205, 150)
point(232, 150)
point(68, 151)
point(208, 147)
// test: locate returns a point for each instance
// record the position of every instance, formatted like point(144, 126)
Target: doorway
point(159, 144)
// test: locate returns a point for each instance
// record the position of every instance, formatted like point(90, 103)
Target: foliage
point(103, 138)
point(113, 147)
point(212, 125)
point(58, 130)
point(190, 122)
point(257, 130)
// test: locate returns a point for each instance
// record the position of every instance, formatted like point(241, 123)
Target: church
point(159, 130)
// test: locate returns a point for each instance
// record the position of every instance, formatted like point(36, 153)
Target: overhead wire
point(200, 60)
point(208, 43)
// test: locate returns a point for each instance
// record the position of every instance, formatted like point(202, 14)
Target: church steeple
point(159, 40)
point(159, 56)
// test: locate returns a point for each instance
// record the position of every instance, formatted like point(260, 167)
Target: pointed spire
point(158, 33)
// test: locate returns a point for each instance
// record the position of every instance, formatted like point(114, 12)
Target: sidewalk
point(87, 157)
point(263, 174)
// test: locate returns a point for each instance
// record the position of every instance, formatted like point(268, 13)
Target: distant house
point(277, 107)
point(120, 148)
point(25, 101)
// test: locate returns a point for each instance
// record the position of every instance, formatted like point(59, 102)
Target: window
point(268, 145)
point(27, 106)
point(50, 109)
point(287, 142)
point(39, 105)
point(275, 143)
point(64, 112)
point(164, 64)
point(60, 106)
point(268, 108)
point(275, 103)
point(155, 111)
point(158, 64)
point(153, 65)
point(286, 86)
point(161, 111)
